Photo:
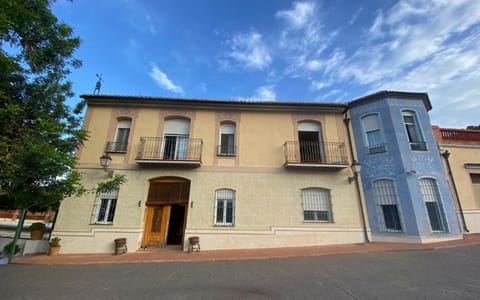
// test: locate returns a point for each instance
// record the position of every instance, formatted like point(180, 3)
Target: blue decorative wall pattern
point(402, 164)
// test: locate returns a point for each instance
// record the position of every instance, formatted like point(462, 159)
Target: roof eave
point(392, 94)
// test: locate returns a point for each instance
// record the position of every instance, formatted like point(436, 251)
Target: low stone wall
point(27, 246)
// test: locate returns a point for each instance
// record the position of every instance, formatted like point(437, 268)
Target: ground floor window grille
point(431, 197)
point(224, 207)
point(316, 205)
point(388, 214)
point(105, 205)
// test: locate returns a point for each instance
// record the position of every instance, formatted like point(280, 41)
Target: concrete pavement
point(176, 255)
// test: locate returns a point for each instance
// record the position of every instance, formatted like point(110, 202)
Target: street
point(430, 274)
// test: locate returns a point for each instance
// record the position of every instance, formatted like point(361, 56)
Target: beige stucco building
point(237, 174)
point(460, 150)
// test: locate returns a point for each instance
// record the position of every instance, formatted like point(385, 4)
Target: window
point(175, 141)
point(121, 137)
point(106, 205)
point(225, 207)
point(373, 136)
point(316, 205)
point(309, 139)
point(413, 131)
point(476, 186)
point(431, 197)
point(227, 140)
point(387, 208)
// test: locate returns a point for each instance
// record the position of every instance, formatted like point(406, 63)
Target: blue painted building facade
point(406, 192)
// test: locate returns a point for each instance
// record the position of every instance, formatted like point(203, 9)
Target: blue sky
point(313, 50)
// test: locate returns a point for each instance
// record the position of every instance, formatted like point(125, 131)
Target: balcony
point(375, 149)
point(170, 151)
point(418, 146)
point(226, 150)
point(329, 155)
point(116, 147)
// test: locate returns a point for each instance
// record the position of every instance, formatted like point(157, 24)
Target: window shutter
point(309, 126)
point(227, 129)
point(370, 123)
point(177, 127)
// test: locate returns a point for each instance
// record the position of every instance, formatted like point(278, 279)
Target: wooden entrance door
point(166, 211)
point(156, 225)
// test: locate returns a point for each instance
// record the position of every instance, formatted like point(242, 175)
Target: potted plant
point(37, 230)
point(54, 246)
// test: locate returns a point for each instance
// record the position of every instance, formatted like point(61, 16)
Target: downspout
point(446, 155)
point(346, 120)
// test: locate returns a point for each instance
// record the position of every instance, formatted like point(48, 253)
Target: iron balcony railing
point(328, 153)
point(116, 147)
point(170, 148)
point(226, 150)
point(418, 146)
point(378, 148)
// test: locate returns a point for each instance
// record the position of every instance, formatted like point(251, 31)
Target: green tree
point(38, 132)
point(473, 127)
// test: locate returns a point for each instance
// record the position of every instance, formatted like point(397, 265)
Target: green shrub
point(55, 242)
point(37, 226)
point(8, 247)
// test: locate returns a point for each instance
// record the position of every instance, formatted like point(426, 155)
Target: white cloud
point(430, 47)
point(162, 80)
point(376, 28)
point(355, 16)
point(140, 17)
point(248, 50)
point(262, 93)
point(266, 92)
point(299, 16)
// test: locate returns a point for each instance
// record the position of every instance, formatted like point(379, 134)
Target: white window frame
point(177, 129)
point(106, 207)
point(120, 141)
point(431, 194)
point(379, 147)
point(317, 202)
point(384, 193)
point(419, 144)
point(224, 197)
point(227, 128)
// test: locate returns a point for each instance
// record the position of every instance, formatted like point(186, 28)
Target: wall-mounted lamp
point(356, 168)
point(105, 161)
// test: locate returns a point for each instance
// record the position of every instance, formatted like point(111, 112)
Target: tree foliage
point(111, 185)
point(473, 127)
point(38, 131)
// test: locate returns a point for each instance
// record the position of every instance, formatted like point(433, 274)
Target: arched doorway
point(166, 214)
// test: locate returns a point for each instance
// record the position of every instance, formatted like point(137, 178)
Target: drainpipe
point(346, 120)
point(446, 155)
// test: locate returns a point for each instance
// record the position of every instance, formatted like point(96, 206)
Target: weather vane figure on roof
point(98, 85)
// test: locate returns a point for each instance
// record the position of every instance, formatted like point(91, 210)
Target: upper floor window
point(224, 207)
point(120, 142)
point(387, 208)
point(373, 135)
point(431, 197)
point(414, 134)
point(310, 142)
point(227, 145)
point(316, 205)
point(105, 207)
point(175, 140)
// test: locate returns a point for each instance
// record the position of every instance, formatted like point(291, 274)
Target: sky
point(259, 50)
